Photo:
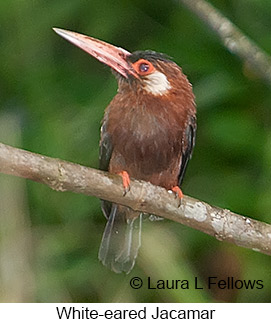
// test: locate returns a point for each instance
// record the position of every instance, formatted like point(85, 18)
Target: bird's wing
point(105, 153)
point(106, 148)
point(189, 142)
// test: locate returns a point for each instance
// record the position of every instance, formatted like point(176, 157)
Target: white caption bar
point(131, 312)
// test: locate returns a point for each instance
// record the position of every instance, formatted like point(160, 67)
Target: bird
point(148, 133)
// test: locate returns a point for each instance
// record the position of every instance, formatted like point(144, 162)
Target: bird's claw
point(178, 194)
point(125, 181)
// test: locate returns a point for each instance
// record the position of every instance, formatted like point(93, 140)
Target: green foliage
point(59, 94)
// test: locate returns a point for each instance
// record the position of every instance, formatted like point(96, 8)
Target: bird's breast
point(146, 138)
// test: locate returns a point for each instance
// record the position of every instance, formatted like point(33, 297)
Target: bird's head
point(146, 71)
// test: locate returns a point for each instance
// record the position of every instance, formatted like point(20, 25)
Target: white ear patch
point(156, 83)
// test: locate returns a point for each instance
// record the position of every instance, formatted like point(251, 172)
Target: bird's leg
point(125, 181)
point(178, 194)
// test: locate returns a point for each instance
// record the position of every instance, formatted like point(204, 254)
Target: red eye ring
point(143, 67)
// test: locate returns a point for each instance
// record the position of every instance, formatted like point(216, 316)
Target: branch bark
point(232, 37)
point(65, 176)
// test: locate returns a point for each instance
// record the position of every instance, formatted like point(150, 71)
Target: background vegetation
point(52, 100)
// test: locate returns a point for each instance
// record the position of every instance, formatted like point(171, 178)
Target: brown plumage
point(148, 131)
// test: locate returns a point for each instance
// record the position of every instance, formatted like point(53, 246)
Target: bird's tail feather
point(121, 239)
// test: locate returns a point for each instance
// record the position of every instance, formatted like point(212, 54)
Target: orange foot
point(125, 181)
point(178, 193)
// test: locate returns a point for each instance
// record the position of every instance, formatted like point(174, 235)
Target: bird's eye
point(143, 67)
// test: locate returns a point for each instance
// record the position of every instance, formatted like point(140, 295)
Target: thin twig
point(233, 38)
point(65, 176)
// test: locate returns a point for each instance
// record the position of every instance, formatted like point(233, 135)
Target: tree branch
point(233, 38)
point(65, 176)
